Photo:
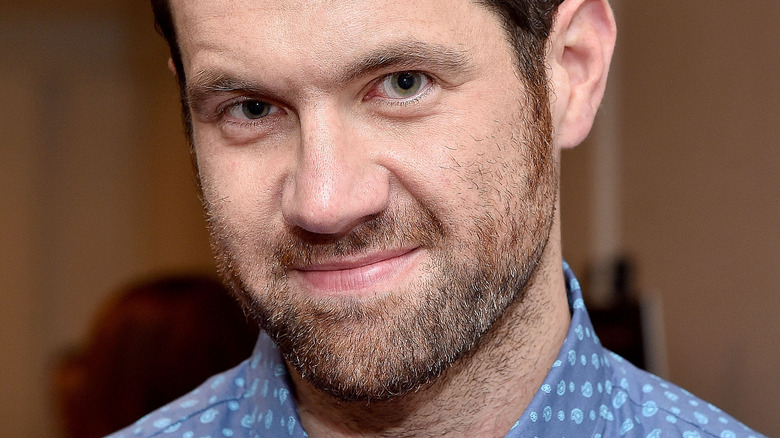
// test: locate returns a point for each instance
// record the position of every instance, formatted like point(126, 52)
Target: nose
point(335, 184)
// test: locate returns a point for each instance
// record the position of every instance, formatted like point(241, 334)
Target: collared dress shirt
point(589, 392)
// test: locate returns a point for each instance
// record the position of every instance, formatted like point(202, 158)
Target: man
point(381, 184)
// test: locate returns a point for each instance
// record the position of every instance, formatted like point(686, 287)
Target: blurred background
point(679, 182)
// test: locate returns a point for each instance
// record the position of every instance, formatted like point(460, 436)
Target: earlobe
point(581, 47)
point(172, 66)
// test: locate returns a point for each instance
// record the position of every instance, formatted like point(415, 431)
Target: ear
point(172, 66)
point(581, 46)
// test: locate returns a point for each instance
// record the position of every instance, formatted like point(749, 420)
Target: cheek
point(239, 188)
point(429, 163)
point(436, 167)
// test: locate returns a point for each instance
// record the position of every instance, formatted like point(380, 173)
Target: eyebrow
point(408, 55)
point(411, 54)
point(206, 83)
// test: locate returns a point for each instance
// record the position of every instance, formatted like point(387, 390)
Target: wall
point(96, 186)
point(697, 105)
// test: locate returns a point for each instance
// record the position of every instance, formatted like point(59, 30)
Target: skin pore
point(382, 199)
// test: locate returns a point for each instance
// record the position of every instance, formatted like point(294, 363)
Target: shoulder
point(197, 410)
point(642, 401)
point(240, 402)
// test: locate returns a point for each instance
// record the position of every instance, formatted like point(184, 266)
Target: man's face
point(379, 189)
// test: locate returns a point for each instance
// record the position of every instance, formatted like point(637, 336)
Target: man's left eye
point(404, 85)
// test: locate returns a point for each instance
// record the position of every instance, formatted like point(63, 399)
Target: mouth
point(360, 275)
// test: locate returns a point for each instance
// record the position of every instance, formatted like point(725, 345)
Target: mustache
point(411, 226)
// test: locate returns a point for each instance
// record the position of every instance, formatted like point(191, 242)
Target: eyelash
point(428, 87)
point(223, 111)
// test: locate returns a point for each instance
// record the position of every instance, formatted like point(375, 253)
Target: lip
point(360, 275)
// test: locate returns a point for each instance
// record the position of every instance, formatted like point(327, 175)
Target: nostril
point(335, 204)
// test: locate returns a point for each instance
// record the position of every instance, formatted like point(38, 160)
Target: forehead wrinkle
point(408, 54)
point(313, 58)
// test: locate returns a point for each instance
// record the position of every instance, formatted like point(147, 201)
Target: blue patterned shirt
point(589, 392)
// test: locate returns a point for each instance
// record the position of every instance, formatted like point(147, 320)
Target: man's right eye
point(251, 110)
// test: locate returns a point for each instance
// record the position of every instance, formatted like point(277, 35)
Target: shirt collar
point(575, 388)
point(578, 382)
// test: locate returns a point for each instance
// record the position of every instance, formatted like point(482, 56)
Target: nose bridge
point(323, 152)
point(335, 185)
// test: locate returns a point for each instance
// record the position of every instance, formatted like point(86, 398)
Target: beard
point(389, 345)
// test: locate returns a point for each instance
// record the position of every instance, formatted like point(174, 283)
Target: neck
point(482, 394)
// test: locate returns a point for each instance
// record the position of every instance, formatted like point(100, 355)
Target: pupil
point(255, 108)
point(406, 81)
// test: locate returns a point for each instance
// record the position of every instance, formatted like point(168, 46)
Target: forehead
point(315, 34)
